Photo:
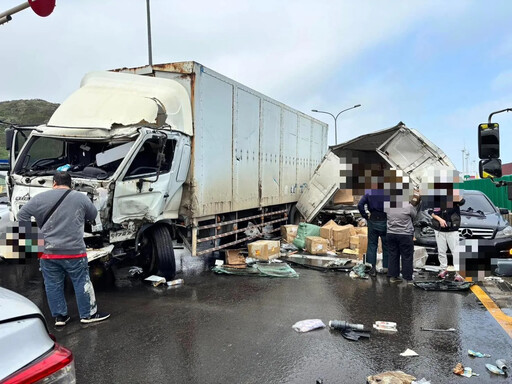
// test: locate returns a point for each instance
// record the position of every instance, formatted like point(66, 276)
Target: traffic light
point(489, 141)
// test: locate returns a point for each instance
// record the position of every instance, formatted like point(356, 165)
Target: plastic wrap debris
point(359, 271)
point(175, 282)
point(494, 278)
point(408, 353)
point(155, 280)
point(477, 354)
point(438, 330)
point(394, 377)
point(135, 271)
point(443, 285)
point(494, 369)
point(219, 262)
point(308, 325)
point(422, 381)
point(464, 371)
point(385, 326)
point(288, 247)
point(259, 269)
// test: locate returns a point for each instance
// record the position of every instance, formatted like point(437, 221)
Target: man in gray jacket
point(60, 215)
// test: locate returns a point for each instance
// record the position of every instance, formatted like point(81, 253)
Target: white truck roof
point(122, 99)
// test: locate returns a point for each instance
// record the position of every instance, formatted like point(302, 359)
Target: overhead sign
point(42, 8)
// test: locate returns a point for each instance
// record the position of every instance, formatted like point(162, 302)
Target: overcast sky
point(439, 66)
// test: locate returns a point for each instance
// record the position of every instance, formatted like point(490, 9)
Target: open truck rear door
point(321, 188)
point(413, 153)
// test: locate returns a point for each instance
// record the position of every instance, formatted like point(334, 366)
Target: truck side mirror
point(490, 168)
point(489, 141)
point(9, 135)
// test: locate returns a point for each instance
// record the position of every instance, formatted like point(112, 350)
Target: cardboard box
point(338, 235)
point(264, 249)
point(289, 232)
point(234, 257)
point(359, 243)
point(343, 196)
point(317, 245)
point(362, 231)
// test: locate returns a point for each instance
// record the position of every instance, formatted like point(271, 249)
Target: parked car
point(29, 353)
point(480, 220)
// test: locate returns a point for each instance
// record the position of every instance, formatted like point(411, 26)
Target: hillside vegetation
point(23, 112)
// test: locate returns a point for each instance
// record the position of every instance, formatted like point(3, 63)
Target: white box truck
point(171, 153)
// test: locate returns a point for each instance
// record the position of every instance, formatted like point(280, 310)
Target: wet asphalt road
point(232, 329)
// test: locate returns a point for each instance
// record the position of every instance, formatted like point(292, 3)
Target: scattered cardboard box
point(234, 257)
point(343, 196)
point(264, 249)
point(361, 230)
point(289, 232)
point(338, 235)
point(317, 245)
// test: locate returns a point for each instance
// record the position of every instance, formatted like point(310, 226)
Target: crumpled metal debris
point(135, 271)
point(494, 369)
point(390, 377)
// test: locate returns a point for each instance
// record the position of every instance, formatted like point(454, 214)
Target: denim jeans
point(376, 229)
point(54, 274)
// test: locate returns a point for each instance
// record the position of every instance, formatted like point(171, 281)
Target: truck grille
point(476, 233)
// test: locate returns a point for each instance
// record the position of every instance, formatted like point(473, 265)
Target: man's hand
point(442, 222)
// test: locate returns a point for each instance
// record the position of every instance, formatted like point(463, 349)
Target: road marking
point(502, 319)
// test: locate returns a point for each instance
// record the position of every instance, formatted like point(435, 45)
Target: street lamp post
point(336, 119)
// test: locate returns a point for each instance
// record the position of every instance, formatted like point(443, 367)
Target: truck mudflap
point(97, 253)
point(401, 147)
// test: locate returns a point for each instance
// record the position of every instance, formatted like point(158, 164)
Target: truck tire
point(295, 216)
point(158, 253)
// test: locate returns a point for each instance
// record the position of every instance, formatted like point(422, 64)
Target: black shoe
point(95, 318)
point(373, 272)
point(395, 280)
point(61, 321)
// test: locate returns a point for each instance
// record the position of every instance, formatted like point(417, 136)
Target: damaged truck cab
point(172, 152)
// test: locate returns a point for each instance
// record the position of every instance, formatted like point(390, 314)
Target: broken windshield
point(87, 159)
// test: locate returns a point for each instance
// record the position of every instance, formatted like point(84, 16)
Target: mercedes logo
point(466, 233)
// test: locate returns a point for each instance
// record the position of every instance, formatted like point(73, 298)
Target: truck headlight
point(505, 232)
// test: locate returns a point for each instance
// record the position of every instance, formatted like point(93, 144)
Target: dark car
point(480, 220)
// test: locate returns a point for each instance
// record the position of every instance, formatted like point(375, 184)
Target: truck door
point(139, 192)
point(321, 188)
point(413, 153)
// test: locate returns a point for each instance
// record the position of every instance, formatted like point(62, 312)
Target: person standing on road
point(60, 215)
point(446, 226)
point(400, 235)
point(373, 200)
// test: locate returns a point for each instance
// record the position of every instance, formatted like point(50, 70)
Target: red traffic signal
point(42, 8)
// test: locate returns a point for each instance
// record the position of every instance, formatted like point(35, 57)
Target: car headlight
point(505, 232)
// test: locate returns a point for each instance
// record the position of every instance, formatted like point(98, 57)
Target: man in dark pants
point(62, 226)
point(377, 226)
point(400, 236)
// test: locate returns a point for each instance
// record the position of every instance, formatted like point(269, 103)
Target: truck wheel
point(295, 216)
point(158, 253)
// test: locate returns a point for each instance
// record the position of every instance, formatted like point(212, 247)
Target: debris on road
point(259, 269)
point(349, 331)
point(438, 330)
point(422, 381)
point(408, 353)
point(319, 263)
point(176, 282)
point(477, 354)
point(304, 230)
point(443, 285)
point(308, 325)
point(502, 364)
point(464, 371)
point(155, 280)
point(394, 377)
point(494, 369)
point(359, 271)
point(135, 271)
point(386, 326)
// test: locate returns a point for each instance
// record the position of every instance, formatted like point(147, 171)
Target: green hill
point(23, 112)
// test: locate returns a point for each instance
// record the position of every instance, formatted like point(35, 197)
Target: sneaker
point(61, 321)
point(395, 280)
point(95, 318)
